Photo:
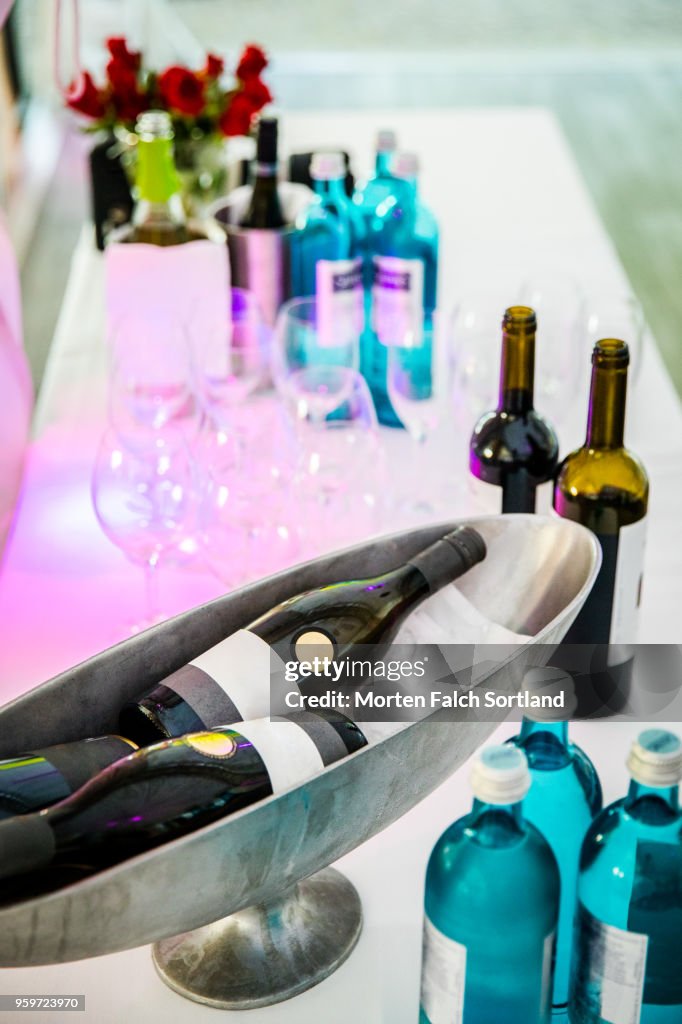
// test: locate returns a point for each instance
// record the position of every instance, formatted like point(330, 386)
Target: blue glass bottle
point(331, 229)
point(379, 187)
point(403, 244)
point(564, 796)
point(491, 907)
point(627, 941)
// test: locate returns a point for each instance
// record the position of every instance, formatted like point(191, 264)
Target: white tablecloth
point(505, 189)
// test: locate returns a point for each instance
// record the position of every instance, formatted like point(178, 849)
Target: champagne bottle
point(514, 447)
point(605, 487)
point(173, 788)
point(31, 781)
point(159, 216)
point(265, 211)
point(231, 681)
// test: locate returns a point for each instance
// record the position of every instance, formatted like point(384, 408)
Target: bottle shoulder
point(606, 474)
point(502, 439)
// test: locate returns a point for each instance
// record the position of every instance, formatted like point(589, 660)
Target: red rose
point(118, 48)
point(182, 90)
point(251, 63)
point(236, 118)
point(257, 92)
point(84, 96)
point(122, 77)
point(125, 93)
point(214, 66)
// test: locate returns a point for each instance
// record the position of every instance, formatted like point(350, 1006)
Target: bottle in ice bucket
point(564, 796)
point(403, 245)
point(491, 907)
point(627, 942)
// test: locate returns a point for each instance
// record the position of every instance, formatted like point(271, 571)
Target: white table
point(505, 189)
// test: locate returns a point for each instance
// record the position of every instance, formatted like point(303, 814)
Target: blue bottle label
point(609, 968)
point(398, 300)
point(443, 974)
point(340, 301)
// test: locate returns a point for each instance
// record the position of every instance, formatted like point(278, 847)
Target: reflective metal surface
point(535, 578)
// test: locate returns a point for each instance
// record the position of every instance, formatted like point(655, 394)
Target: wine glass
point(146, 502)
point(561, 359)
point(614, 314)
point(340, 476)
point(231, 359)
point(151, 389)
point(314, 358)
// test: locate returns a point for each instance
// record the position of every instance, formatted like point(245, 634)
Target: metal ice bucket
point(260, 259)
point(269, 858)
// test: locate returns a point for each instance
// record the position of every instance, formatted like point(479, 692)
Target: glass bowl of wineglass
point(146, 501)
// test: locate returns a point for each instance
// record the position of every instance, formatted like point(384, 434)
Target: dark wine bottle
point(514, 447)
point(604, 487)
point(232, 680)
point(170, 789)
point(35, 780)
point(265, 211)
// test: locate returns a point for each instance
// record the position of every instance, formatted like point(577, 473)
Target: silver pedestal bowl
point(262, 917)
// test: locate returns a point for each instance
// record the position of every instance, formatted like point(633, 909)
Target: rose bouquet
point(204, 110)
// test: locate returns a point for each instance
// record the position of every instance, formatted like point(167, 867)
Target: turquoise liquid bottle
point(627, 942)
point(403, 244)
point(330, 232)
point(379, 187)
point(564, 796)
point(491, 907)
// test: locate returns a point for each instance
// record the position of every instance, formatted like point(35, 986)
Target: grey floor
point(611, 71)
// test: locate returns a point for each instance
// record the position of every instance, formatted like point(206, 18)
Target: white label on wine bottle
point(340, 301)
point(398, 300)
point(241, 666)
point(627, 588)
point(289, 754)
point(611, 970)
point(443, 976)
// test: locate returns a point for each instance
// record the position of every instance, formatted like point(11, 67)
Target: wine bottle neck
point(606, 415)
point(448, 558)
point(264, 170)
point(517, 369)
point(156, 177)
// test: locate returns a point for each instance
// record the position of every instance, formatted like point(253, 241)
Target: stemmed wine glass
point(146, 500)
point(151, 392)
point(314, 359)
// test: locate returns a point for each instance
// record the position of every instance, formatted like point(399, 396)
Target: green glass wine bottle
point(605, 487)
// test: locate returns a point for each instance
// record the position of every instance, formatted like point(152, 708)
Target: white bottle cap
point(656, 758)
point(386, 141)
point(405, 165)
point(500, 775)
point(550, 682)
point(327, 166)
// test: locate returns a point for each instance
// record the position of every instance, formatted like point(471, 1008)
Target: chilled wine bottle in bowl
point(265, 211)
point(232, 679)
point(170, 789)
